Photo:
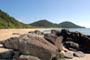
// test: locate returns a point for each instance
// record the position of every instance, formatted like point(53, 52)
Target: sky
point(56, 11)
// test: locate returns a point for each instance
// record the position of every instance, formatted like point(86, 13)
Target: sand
point(7, 33)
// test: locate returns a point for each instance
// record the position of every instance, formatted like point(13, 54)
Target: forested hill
point(48, 24)
point(68, 24)
point(7, 21)
point(44, 23)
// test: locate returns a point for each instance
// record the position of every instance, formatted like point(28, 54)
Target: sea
point(85, 31)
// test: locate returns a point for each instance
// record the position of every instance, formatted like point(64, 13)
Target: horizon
point(56, 11)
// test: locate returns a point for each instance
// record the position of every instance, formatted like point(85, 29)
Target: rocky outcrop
point(71, 46)
point(68, 55)
point(59, 44)
point(36, 32)
point(31, 45)
point(79, 54)
point(51, 38)
point(54, 31)
point(7, 55)
point(82, 40)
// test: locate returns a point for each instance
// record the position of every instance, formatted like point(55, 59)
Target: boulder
point(32, 32)
point(54, 58)
point(7, 55)
point(82, 40)
point(79, 54)
point(51, 38)
point(59, 44)
point(29, 44)
point(71, 46)
point(59, 56)
point(38, 32)
point(28, 57)
point(88, 36)
point(65, 33)
point(68, 55)
point(54, 31)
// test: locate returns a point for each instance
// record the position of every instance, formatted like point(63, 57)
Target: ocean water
point(85, 31)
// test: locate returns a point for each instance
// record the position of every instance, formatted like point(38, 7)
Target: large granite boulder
point(29, 44)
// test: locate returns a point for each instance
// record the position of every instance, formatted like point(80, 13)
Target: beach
point(7, 33)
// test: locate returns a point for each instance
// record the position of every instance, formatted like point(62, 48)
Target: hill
point(7, 21)
point(47, 24)
point(44, 23)
point(68, 24)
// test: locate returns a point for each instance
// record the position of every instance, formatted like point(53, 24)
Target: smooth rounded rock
point(79, 54)
point(68, 55)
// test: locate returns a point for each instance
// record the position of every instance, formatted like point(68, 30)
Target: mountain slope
point(44, 23)
point(7, 21)
point(68, 24)
point(47, 24)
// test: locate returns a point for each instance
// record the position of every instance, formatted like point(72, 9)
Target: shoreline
point(7, 33)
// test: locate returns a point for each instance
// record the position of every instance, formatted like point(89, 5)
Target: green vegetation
point(7, 21)
point(67, 24)
point(44, 23)
point(47, 24)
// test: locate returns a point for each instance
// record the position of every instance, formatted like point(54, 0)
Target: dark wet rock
point(32, 32)
point(29, 44)
point(51, 38)
point(68, 55)
point(54, 31)
point(63, 33)
point(7, 55)
point(88, 36)
point(82, 40)
point(85, 50)
point(79, 54)
point(5, 59)
point(59, 56)
point(38, 32)
point(28, 57)
point(54, 58)
point(71, 45)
